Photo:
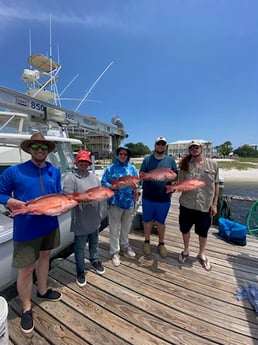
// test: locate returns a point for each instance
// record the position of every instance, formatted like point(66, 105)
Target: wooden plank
point(148, 328)
point(106, 323)
point(149, 300)
point(179, 313)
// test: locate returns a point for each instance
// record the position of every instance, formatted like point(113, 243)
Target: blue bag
point(232, 231)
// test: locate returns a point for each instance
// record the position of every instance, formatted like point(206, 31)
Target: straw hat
point(37, 138)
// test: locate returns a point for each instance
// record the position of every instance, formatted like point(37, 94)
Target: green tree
point(138, 149)
point(246, 151)
point(224, 149)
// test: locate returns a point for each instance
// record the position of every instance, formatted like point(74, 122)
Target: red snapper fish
point(99, 193)
point(125, 181)
point(50, 205)
point(159, 174)
point(185, 185)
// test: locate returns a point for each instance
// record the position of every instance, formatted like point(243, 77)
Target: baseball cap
point(83, 155)
point(194, 142)
point(160, 139)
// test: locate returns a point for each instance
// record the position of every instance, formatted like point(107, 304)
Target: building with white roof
point(179, 148)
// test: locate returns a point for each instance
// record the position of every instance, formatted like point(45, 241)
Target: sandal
point(182, 257)
point(205, 263)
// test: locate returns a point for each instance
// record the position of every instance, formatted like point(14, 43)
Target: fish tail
point(75, 196)
point(170, 189)
point(144, 175)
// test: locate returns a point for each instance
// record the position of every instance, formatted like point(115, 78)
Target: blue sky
point(182, 69)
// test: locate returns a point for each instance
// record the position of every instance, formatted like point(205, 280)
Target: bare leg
point(42, 268)
point(24, 286)
point(186, 240)
point(161, 231)
point(201, 256)
point(147, 230)
point(202, 245)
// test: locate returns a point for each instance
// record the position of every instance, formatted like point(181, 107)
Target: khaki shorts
point(26, 253)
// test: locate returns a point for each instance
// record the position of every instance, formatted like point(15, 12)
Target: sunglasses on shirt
point(36, 147)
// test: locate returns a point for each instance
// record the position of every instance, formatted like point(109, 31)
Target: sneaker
point(162, 250)
point(98, 267)
point(116, 260)
point(27, 324)
point(146, 248)
point(50, 295)
point(81, 280)
point(128, 252)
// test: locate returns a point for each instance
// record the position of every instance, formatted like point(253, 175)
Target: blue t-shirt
point(156, 190)
point(25, 182)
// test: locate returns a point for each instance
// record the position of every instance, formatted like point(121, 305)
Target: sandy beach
point(239, 175)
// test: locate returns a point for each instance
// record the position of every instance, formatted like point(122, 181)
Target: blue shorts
point(154, 211)
point(188, 218)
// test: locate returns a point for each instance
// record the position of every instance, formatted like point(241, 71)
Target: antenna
point(93, 85)
point(75, 77)
point(50, 39)
point(30, 49)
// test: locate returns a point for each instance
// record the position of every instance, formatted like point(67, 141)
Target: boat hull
point(8, 274)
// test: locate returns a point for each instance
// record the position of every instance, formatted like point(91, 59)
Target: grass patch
point(237, 165)
point(240, 163)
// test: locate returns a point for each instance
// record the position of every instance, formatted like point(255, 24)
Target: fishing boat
point(10, 154)
point(39, 110)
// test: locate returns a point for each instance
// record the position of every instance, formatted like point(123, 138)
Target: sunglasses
point(162, 143)
point(123, 154)
point(36, 147)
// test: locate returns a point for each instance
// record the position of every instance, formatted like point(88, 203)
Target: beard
point(39, 159)
point(160, 152)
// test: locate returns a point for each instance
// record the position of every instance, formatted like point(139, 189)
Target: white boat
point(21, 115)
point(10, 154)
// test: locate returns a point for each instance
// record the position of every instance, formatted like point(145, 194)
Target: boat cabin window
point(62, 157)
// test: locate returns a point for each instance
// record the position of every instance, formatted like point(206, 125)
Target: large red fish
point(159, 174)
point(185, 185)
point(50, 205)
point(99, 193)
point(125, 181)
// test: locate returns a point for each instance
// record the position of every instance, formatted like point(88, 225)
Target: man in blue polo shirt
point(33, 235)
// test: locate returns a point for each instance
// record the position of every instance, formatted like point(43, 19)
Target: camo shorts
point(27, 253)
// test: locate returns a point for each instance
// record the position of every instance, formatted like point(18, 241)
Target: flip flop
point(205, 263)
point(182, 257)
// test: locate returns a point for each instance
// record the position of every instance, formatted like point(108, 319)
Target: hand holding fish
point(56, 204)
point(185, 185)
point(14, 203)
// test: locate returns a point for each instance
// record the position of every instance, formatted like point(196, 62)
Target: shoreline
point(248, 175)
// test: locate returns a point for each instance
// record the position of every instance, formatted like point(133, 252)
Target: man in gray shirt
point(197, 207)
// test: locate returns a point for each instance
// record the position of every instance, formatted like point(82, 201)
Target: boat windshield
point(62, 157)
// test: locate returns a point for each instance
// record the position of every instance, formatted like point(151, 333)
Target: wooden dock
point(149, 300)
